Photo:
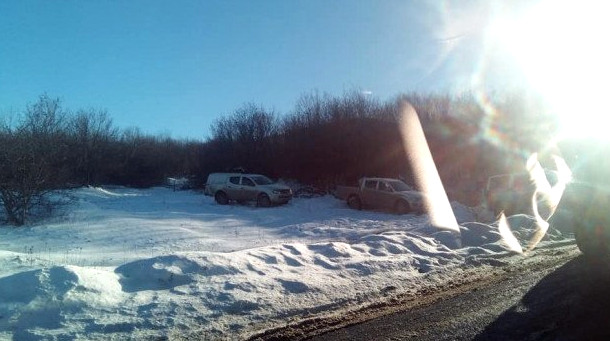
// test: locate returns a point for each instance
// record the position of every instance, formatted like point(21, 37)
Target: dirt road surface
point(556, 295)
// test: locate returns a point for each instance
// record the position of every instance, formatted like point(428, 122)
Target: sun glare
point(425, 171)
point(562, 49)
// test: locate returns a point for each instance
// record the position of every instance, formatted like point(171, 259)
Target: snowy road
point(555, 295)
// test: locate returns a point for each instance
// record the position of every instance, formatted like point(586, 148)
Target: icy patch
point(107, 192)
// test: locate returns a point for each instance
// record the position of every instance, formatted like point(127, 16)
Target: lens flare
point(507, 235)
point(559, 45)
point(436, 200)
point(545, 195)
point(425, 172)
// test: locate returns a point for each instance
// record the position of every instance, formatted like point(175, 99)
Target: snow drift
point(156, 263)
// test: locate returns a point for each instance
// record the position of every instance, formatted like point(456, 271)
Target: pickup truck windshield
point(400, 186)
point(262, 180)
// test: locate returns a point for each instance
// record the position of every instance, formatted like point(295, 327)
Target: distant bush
point(325, 141)
point(32, 159)
point(48, 149)
point(330, 140)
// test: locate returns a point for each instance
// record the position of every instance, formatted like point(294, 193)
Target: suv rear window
point(370, 184)
point(234, 180)
point(384, 187)
point(247, 182)
point(262, 180)
point(400, 186)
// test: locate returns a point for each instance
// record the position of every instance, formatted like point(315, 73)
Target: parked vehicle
point(309, 192)
point(382, 193)
point(179, 184)
point(512, 193)
point(226, 187)
point(585, 204)
point(589, 204)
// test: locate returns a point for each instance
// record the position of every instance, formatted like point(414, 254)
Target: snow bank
point(156, 263)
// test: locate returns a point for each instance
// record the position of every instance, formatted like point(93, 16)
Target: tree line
point(326, 140)
point(49, 148)
point(330, 140)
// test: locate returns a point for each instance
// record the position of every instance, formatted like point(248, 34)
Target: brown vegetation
point(324, 141)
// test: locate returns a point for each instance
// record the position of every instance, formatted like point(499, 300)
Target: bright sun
point(563, 49)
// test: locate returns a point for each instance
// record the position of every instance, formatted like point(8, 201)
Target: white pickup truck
point(382, 193)
point(246, 187)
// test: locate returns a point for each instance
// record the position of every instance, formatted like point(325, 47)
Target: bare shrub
point(31, 159)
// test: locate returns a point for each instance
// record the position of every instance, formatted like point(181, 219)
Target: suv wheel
point(591, 240)
point(354, 202)
point(402, 207)
point(263, 200)
point(221, 198)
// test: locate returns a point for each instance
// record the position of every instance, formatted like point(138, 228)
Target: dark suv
point(512, 193)
point(586, 201)
point(589, 208)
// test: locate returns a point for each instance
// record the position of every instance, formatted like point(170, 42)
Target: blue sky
point(173, 67)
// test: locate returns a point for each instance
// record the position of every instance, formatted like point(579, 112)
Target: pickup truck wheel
point(591, 240)
point(354, 202)
point(402, 207)
point(221, 198)
point(263, 200)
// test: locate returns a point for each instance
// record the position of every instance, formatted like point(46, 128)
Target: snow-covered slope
point(156, 263)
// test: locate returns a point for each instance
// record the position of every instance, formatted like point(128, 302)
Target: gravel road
point(555, 295)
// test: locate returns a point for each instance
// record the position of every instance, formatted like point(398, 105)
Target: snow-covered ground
point(155, 264)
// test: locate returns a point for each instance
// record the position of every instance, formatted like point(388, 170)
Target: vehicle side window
point(370, 184)
point(520, 183)
point(247, 182)
point(499, 183)
point(384, 187)
point(234, 180)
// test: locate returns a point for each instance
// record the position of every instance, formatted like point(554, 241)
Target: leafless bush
point(91, 135)
point(326, 140)
point(244, 139)
point(31, 159)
